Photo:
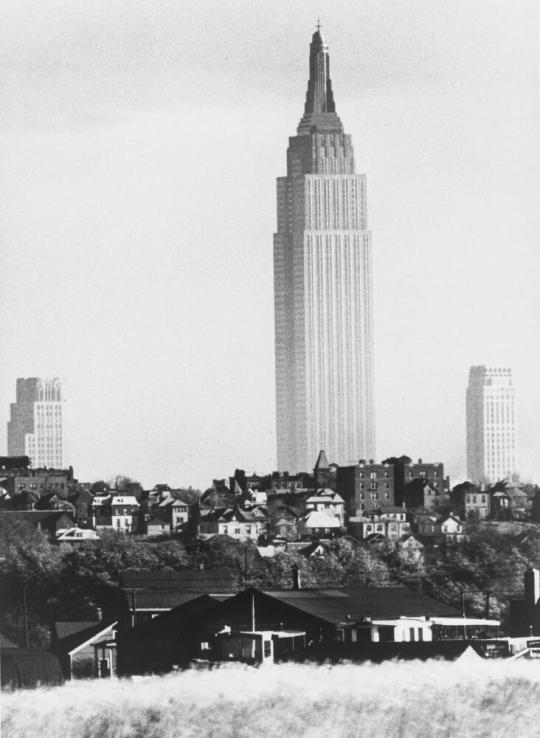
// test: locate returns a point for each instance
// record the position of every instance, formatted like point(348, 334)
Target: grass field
point(476, 698)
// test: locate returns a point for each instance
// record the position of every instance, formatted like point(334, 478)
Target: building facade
point(35, 424)
point(366, 486)
point(322, 289)
point(491, 430)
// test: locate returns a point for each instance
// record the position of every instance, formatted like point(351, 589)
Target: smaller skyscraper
point(491, 429)
point(35, 425)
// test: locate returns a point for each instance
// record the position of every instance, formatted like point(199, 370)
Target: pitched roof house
point(85, 649)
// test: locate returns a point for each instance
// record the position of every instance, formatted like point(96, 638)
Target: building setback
point(491, 430)
point(322, 289)
point(35, 425)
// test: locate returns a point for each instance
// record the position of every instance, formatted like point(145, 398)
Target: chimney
point(99, 614)
point(532, 588)
point(419, 461)
point(295, 577)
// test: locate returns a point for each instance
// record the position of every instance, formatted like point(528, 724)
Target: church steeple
point(320, 109)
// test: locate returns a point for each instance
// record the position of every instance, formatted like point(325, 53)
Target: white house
point(329, 501)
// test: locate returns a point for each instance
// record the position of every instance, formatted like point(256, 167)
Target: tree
point(29, 572)
point(120, 482)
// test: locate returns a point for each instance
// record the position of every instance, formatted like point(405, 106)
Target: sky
point(140, 142)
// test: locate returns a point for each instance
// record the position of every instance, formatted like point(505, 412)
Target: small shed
point(22, 668)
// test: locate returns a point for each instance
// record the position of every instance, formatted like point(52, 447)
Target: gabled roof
point(326, 494)
point(124, 500)
point(410, 537)
point(321, 519)
point(71, 636)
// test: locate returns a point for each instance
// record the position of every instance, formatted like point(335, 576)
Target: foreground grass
point(480, 698)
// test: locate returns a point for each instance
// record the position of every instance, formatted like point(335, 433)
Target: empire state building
point(322, 289)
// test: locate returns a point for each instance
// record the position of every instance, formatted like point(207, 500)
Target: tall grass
point(481, 698)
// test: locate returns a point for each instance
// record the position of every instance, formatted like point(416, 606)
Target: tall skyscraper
point(35, 425)
point(322, 289)
point(491, 429)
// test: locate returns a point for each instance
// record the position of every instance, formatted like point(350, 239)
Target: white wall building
point(35, 424)
point(322, 289)
point(491, 430)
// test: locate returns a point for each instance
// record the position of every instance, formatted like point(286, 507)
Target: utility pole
point(25, 608)
point(133, 610)
point(463, 614)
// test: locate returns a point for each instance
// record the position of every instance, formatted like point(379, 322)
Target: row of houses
point(168, 620)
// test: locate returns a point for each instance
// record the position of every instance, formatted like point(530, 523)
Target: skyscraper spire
point(320, 109)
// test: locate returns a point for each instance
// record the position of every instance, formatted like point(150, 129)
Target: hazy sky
point(140, 143)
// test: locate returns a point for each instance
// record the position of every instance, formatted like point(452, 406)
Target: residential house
point(76, 535)
point(520, 502)
point(319, 523)
point(85, 649)
point(124, 513)
point(117, 512)
point(240, 524)
point(470, 501)
point(419, 493)
point(329, 501)
point(389, 521)
point(286, 527)
point(82, 505)
point(451, 528)
point(446, 527)
point(168, 516)
point(405, 471)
